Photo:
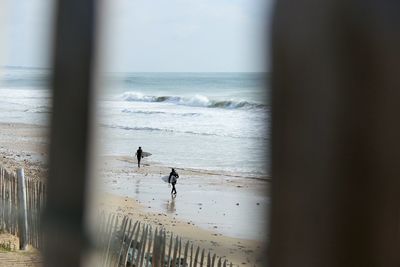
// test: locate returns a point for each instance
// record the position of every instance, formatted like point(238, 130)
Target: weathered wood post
point(22, 211)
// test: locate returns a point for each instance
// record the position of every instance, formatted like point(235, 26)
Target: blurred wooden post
point(335, 134)
point(22, 211)
point(70, 142)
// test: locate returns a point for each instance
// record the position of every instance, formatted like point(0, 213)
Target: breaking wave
point(195, 101)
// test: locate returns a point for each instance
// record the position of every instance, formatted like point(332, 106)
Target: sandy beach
point(222, 212)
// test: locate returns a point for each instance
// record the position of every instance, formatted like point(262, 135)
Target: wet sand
point(229, 205)
point(222, 212)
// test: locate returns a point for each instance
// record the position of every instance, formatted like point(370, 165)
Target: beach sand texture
point(221, 212)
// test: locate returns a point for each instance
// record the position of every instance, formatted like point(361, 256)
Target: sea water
point(208, 121)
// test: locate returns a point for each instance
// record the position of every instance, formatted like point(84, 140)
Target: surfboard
point(165, 178)
point(146, 154)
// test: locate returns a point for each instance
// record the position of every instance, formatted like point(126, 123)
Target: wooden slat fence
point(125, 242)
point(8, 202)
point(10, 209)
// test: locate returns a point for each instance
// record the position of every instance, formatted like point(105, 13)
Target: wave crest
point(195, 101)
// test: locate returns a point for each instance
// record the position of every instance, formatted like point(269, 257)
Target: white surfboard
point(165, 178)
point(146, 154)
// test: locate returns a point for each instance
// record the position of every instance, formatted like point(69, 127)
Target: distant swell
point(152, 129)
point(195, 101)
point(136, 128)
point(142, 112)
point(39, 109)
point(146, 112)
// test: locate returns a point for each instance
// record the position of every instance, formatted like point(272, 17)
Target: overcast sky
point(150, 35)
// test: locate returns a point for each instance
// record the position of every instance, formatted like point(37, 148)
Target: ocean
point(207, 121)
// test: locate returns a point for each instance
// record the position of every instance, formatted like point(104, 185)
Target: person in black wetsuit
point(139, 155)
point(173, 177)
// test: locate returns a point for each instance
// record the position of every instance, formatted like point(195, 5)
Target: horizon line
point(49, 68)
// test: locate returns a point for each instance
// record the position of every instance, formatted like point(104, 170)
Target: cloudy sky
point(150, 35)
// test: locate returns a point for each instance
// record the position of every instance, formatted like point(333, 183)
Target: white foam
point(194, 101)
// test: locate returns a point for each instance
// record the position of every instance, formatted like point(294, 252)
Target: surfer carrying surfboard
point(173, 177)
point(139, 155)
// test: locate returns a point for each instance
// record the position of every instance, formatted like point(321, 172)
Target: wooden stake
point(23, 216)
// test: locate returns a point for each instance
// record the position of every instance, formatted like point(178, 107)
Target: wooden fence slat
point(103, 243)
point(169, 250)
point(134, 244)
point(9, 201)
point(36, 214)
point(42, 205)
point(202, 257)
point(213, 260)
point(114, 249)
point(155, 248)
point(28, 197)
point(185, 254)
point(179, 252)
point(126, 232)
point(196, 257)
point(9, 204)
point(114, 235)
point(107, 230)
point(12, 206)
point(22, 213)
point(191, 255)
point(4, 201)
point(33, 226)
point(130, 240)
point(142, 255)
point(139, 248)
point(160, 259)
point(164, 244)
point(175, 252)
point(1, 199)
point(149, 248)
point(113, 219)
